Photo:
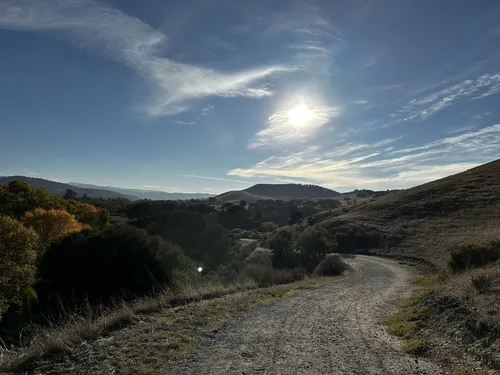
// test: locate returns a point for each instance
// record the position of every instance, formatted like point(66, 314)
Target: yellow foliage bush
point(18, 259)
point(51, 225)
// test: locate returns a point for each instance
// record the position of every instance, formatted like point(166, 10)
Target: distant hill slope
point(278, 191)
point(58, 188)
point(427, 220)
point(148, 194)
point(291, 191)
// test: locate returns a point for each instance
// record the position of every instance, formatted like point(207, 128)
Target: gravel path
point(335, 329)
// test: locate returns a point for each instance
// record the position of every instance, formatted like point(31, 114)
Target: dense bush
point(120, 260)
point(312, 247)
point(205, 242)
point(260, 256)
point(17, 198)
point(331, 265)
point(52, 225)
point(473, 256)
point(282, 245)
point(18, 257)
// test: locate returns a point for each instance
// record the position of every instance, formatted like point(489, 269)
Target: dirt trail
point(335, 329)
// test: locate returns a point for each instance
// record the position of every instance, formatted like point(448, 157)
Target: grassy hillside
point(425, 221)
point(58, 188)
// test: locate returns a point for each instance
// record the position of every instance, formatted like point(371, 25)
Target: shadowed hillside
point(427, 220)
point(292, 191)
point(278, 191)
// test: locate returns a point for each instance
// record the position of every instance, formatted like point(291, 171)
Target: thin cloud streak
point(110, 32)
point(376, 166)
point(216, 179)
point(423, 108)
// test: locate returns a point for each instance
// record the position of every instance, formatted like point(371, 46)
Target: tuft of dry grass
point(416, 347)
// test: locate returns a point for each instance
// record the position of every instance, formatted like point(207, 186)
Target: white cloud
point(216, 178)
point(108, 31)
point(422, 108)
point(29, 172)
point(280, 129)
point(376, 166)
point(205, 111)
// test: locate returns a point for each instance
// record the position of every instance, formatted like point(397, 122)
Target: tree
point(70, 194)
point(312, 247)
point(295, 217)
point(17, 263)
point(52, 225)
point(243, 203)
point(87, 213)
point(281, 243)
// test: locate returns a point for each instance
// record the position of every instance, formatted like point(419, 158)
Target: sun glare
point(300, 115)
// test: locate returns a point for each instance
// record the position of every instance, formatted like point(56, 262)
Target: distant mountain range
point(59, 188)
point(147, 194)
point(278, 191)
point(93, 191)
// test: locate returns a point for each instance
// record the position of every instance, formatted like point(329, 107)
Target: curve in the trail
point(335, 329)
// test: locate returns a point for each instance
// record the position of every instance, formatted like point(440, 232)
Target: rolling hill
point(425, 221)
point(278, 191)
point(58, 188)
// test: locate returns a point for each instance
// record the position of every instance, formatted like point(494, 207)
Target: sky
point(217, 95)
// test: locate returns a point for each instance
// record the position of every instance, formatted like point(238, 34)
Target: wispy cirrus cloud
point(114, 34)
point(30, 173)
point(280, 128)
point(205, 111)
point(376, 165)
point(216, 178)
point(423, 108)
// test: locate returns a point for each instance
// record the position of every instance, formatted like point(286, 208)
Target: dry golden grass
point(137, 338)
point(426, 221)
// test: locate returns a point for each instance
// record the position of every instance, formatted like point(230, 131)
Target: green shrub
point(331, 265)
point(246, 249)
point(312, 247)
point(473, 256)
point(119, 261)
point(260, 256)
point(281, 243)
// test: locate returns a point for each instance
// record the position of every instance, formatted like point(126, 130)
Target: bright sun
point(300, 115)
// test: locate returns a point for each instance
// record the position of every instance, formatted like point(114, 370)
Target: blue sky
point(210, 96)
